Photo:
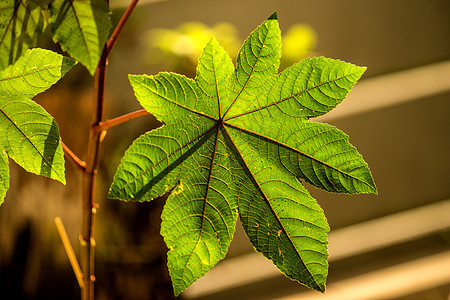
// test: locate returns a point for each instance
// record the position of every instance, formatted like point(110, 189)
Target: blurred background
point(392, 246)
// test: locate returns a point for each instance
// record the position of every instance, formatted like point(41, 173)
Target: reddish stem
point(115, 35)
point(77, 162)
point(121, 119)
point(92, 158)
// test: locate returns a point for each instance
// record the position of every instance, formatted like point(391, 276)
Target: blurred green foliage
point(178, 49)
point(299, 42)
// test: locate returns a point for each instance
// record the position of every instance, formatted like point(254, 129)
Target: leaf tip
point(374, 189)
point(371, 186)
point(114, 194)
point(177, 291)
point(273, 16)
point(133, 79)
point(67, 64)
point(212, 42)
point(362, 70)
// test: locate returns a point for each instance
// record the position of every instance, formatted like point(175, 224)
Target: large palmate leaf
point(28, 134)
point(82, 28)
point(21, 21)
point(237, 142)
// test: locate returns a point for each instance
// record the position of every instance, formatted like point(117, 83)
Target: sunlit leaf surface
point(28, 134)
point(238, 142)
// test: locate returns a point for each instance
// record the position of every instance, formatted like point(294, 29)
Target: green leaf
point(82, 28)
point(21, 22)
point(28, 134)
point(238, 141)
point(4, 175)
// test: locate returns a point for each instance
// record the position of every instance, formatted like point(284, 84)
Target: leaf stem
point(81, 165)
point(121, 119)
point(115, 35)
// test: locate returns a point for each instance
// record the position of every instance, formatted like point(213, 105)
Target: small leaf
point(28, 134)
point(82, 28)
point(21, 22)
point(237, 141)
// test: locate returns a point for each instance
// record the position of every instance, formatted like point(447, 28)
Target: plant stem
point(89, 208)
point(113, 38)
point(81, 165)
point(88, 183)
point(122, 119)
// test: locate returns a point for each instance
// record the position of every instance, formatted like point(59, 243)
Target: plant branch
point(89, 208)
point(88, 183)
point(115, 35)
point(81, 165)
point(121, 119)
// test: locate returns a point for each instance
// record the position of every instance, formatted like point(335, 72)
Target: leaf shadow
point(13, 33)
point(21, 40)
point(146, 188)
point(51, 145)
point(61, 16)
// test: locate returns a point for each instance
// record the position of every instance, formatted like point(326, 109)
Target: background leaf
point(82, 28)
point(21, 22)
point(238, 141)
point(28, 134)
